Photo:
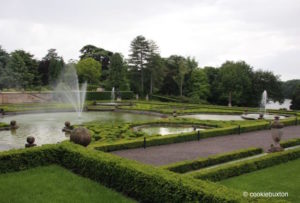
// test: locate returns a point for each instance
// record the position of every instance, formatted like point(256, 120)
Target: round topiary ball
point(81, 136)
point(30, 140)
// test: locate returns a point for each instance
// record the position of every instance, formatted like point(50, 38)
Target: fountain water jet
point(263, 103)
point(69, 90)
point(112, 95)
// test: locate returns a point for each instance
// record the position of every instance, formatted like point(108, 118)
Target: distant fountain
point(263, 102)
point(68, 89)
point(112, 97)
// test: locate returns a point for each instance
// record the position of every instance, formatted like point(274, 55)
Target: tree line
point(146, 72)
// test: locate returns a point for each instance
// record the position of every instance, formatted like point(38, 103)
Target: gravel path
point(166, 154)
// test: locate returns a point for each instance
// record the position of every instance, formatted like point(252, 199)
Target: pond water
point(167, 130)
point(214, 117)
point(47, 127)
point(266, 116)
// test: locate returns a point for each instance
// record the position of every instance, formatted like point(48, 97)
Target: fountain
point(69, 91)
point(263, 102)
point(112, 97)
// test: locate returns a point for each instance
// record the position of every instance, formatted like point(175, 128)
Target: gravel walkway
point(166, 154)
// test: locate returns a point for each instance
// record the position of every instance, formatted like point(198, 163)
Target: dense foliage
point(145, 72)
point(296, 99)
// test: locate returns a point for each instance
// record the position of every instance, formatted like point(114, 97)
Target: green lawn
point(281, 178)
point(53, 184)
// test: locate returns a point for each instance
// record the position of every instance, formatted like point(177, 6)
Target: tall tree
point(17, 73)
point(4, 58)
point(235, 82)
point(265, 80)
point(99, 54)
point(296, 99)
point(89, 70)
point(155, 68)
point(289, 88)
point(50, 67)
point(199, 86)
point(139, 56)
point(117, 73)
point(180, 64)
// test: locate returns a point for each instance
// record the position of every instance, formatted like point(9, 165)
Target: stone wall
point(24, 97)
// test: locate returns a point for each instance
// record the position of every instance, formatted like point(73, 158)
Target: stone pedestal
point(276, 133)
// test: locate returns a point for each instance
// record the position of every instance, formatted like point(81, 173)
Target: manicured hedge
point(142, 182)
point(16, 160)
point(107, 95)
point(236, 169)
point(290, 143)
point(186, 166)
point(162, 140)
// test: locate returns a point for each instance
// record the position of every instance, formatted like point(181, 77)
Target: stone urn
point(68, 128)
point(81, 136)
point(276, 132)
point(13, 125)
point(30, 142)
point(174, 114)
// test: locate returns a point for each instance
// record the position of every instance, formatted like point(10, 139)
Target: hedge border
point(247, 166)
point(290, 143)
point(191, 165)
point(141, 182)
point(192, 136)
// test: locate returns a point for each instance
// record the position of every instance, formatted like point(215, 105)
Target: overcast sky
point(264, 33)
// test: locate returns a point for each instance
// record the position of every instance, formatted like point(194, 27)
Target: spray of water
point(263, 102)
point(113, 95)
point(69, 91)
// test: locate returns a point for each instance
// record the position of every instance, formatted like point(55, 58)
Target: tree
point(155, 68)
point(117, 76)
point(4, 58)
point(99, 54)
point(199, 87)
point(296, 99)
point(88, 70)
point(235, 82)
point(212, 75)
point(265, 80)
point(139, 56)
point(181, 69)
point(50, 67)
point(289, 88)
point(17, 73)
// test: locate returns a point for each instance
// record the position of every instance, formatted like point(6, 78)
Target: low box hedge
point(21, 159)
point(290, 143)
point(239, 168)
point(191, 165)
point(91, 96)
point(142, 182)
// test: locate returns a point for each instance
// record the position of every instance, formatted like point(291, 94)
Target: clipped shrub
point(16, 160)
point(290, 143)
point(186, 166)
point(236, 169)
point(142, 182)
point(91, 96)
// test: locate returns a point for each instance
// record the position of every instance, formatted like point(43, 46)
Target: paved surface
point(166, 154)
